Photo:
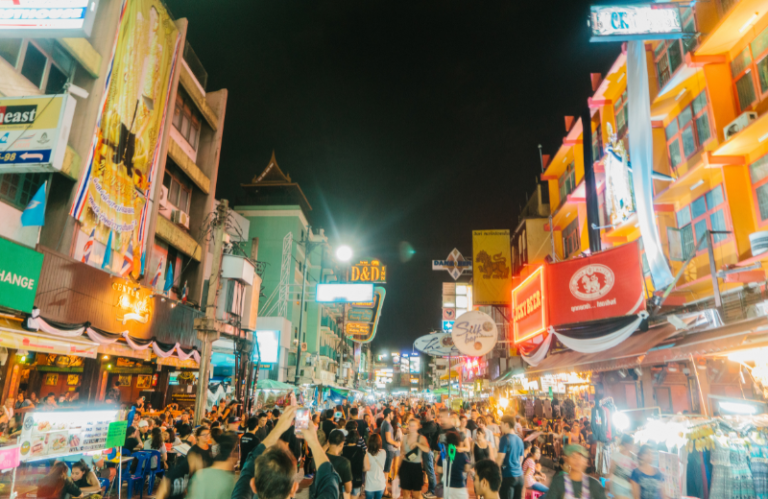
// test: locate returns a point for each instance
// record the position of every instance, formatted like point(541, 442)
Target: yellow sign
point(491, 267)
point(358, 328)
point(112, 197)
point(366, 271)
point(133, 302)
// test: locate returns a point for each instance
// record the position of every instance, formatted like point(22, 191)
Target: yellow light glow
point(750, 355)
point(503, 402)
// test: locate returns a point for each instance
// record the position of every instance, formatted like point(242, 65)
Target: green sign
point(19, 272)
point(116, 434)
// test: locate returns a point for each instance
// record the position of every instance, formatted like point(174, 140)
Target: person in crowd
point(22, 401)
point(482, 448)
point(532, 477)
point(203, 442)
point(570, 484)
point(397, 433)
point(173, 439)
point(483, 428)
point(375, 472)
point(362, 426)
point(57, 484)
point(175, 481)
point(132, 441)
point(49, 404)
point(85, 479)
point(387, 433)
point(574, 436)
point(519, 426)
point(431, 431)
point(413, 446)
point(340, 463)
point(487, 479)
point(358, 459)
point(218, 480)
point(352, 425)
point(139, 405)
point(472, 421)
point(144, 430)
point(647, 481)
point(509, 459)
point(270, 469)
point(453, 471)
point(155, 442)
point(249, 440)
point(183, 420)
point(328, 424)
point(622, 466)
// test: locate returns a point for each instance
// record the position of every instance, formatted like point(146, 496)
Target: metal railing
point(195, 65)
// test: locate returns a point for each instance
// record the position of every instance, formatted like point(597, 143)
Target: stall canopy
point(12, 335)
point(270, 384)
point(660, 345)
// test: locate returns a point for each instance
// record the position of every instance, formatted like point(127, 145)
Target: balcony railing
point(195, 65)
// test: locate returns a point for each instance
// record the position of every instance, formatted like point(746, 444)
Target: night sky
point(413, 121)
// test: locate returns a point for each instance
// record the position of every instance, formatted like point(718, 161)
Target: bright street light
point(344, 253)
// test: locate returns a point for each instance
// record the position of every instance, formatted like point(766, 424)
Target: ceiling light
point(749, 22)
point(697, 185)
point(682, 92)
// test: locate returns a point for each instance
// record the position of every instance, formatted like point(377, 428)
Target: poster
point(491, 267)
point(113, 193)
point(49, 434)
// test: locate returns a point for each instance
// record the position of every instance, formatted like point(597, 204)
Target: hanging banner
point(115, 188)
point(475, 333)
point(491, 258)
point(607, 284)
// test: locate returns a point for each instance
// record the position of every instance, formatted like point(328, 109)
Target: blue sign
point(38, 156)
point(448, 326)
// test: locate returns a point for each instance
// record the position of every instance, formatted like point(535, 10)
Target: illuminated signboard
point(415, 364)
point(448, 326)
point(361, 323)
point(344, 293)
point(455, 264)
point(610, 23)
point(358, 328)
point(134, 303)
point(55, 434)
point(269, 343)
point(366, 271)
point(530, 317)
point(47, 18)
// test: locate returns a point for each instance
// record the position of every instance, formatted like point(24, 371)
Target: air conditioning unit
point(180, 218)
point(739, 124)
point(759, 242)
point(163, 196)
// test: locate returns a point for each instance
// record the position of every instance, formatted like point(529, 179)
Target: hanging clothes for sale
point(722, 477)
point(538, 408)
point(742, 484)
point(758, 461)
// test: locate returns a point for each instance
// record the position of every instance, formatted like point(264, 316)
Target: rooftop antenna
point(541, 159)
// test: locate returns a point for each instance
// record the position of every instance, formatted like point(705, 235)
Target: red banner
point(528, 306)
point(608, 284)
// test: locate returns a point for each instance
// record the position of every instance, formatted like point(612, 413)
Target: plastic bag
point(396, 488)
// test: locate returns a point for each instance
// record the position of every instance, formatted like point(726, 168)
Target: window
point(179, 190)
point(750, 72)
point(571, 241)
point(42, 61)
point(688, 131)
point(758, 172)
point(186, 118)
point(621, 109)
point(17, 189)
point(707, 212)
point(597, 142)
point(567, 181)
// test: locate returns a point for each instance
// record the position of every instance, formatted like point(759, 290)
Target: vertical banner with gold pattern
point(491, 267)
point(115, 187)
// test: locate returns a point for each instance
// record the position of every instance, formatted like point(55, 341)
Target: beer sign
point(369, 271)
point(528, 307)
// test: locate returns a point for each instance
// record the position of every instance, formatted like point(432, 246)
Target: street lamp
point(344, 253)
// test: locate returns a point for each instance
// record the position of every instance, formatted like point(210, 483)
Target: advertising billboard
point(369, 271)
point(344, 293)
point(34, 132)
point(47, 18)
point(19, 272)
point(528, 307)
point(114, 191)
point(649, 21)
point(492, 278)
point(415, 364)
point(269, 346)
point(362, 323)
point(607, 284)
point(475, 333)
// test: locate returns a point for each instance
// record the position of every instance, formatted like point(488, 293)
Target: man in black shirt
point(472, 422)
point(340, 464)
point(328, 425)
point(431, 431)
point(175, 480)
point(362, 426)
point(249, 440)
point(577, 458)
point(132, 444)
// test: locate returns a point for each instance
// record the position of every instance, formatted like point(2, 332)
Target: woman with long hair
point(532, 477)
point(56, 484)
point(411, 474)
point(358, 460)
point(155, 442)
point(375, 479)
point(397, 434)
point(482, 448)
point(647, 482)
point(85, 479)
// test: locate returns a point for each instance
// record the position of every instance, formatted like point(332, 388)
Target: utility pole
point(206, 327)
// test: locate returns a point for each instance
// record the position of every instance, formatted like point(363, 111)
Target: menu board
point(54, 434)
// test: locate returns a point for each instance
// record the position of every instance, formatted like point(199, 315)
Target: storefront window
point(758, 172)
point(689, 131)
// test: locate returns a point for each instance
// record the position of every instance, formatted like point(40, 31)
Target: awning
point(12, 335)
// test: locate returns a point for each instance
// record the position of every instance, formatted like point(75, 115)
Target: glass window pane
point(700, 102)
point(760, 44)
point(689, 143)
point(674, 153)
point(759, 169)
point(740, 62)
point(675, 54)
point(33, 67)
point(675, 244)
point(745, 89)
point(56, 81)
point(698, 208)
point(683, 217)
point(685, 116)
point(700, 229)
point(184, 200)
point(689, 245)
point(177, 117)
point(184, 126)
point(9, 49)
point(714, 197)
point(173, 195)
point(762, 74)
point(717, 221)
point(193, 137)
point(702, 128)
point(671, 129)
point(762, 201)
point(167, 180)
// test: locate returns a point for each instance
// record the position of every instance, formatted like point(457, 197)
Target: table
point(118, 476)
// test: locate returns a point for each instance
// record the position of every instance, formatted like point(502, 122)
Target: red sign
point(528, 307)
point(608, 284)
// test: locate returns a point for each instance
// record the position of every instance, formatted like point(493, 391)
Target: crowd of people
point(389, 449)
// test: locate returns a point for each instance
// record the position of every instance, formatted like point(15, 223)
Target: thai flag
point(127, 260)
point(159, 272)
point(88, 248)
point(184, 293)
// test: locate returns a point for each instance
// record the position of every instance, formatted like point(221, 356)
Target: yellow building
point(708, 111)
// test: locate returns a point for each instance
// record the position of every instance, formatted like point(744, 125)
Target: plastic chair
point(533, 494)
point(142, 464)
point(156, 471)
point(104, 482)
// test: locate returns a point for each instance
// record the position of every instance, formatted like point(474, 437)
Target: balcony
point(195, 66)
point(736, 14)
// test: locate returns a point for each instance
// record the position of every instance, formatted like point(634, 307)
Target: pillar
point(647, 384)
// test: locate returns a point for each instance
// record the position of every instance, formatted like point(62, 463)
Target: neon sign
point(530, 317)
point(372, 271)
point(135, 301)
